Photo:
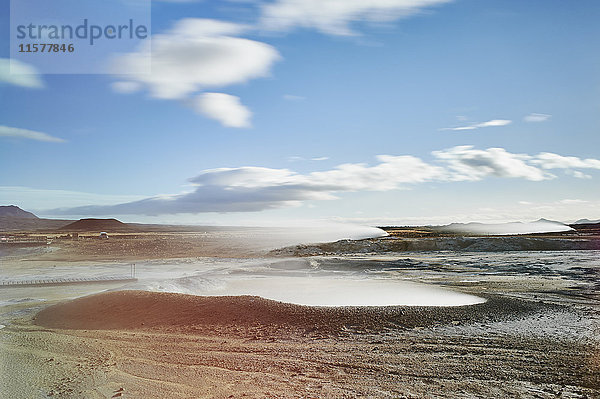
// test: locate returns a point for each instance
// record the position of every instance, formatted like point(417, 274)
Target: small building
point(103, 235)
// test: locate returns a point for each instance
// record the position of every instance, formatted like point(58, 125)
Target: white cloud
point(336, 16)
point(467, 163)
point(252, 188)
point(494, 122)
point(490, 123)
point(225, 108)
point(580, 175)
point(19, 73)
point(248, 189)
point(7, 131)
point(195, 55)
point(297, 158)
point(548, 160)
point(390, 173)
point(460, 128)
point(534, 117)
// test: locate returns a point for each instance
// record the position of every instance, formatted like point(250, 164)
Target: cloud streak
point(296, 158)
point(534, 117)
point(14, 132)
point(490, 123)
point(251, 188)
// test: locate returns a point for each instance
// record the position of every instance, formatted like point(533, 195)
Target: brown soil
point(147, 310)
point(152, 345)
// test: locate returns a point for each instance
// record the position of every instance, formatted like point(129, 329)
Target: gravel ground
point(536, 336)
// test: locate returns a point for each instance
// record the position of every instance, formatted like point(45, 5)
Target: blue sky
point(489, 111)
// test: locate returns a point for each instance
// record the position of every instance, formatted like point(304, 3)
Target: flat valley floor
point(537, 335)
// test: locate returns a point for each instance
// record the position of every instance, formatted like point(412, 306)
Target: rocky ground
point(537, 336)
point(156, 345)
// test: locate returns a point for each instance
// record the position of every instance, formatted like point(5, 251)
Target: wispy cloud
point(7, 131)
point(579, 174)
point(292, 97)
point(494, 122)
point(548, 160)
point(573, 201)
point(335, 17)
point(21, 74)
point(534, 117)
point(296, 158)
point(251, 188)
point(194, 56)
point(490, 123)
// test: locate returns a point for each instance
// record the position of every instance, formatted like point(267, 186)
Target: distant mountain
point(13, 211)
point(511, 228)
point(587, 221)
point(543, 220)
point(13, 218)
point(107, 225)
point(587, 227)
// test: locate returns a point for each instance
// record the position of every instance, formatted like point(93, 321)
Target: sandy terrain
point(536, 336)
point(185, 346)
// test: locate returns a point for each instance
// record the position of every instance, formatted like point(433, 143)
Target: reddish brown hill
point(13, 218)
point(158, 310)
point(13, 211)
point(107, 225)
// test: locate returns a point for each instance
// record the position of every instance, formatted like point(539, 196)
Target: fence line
point(65, 281)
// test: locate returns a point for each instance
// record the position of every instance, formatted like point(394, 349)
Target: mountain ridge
point(13, 211)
